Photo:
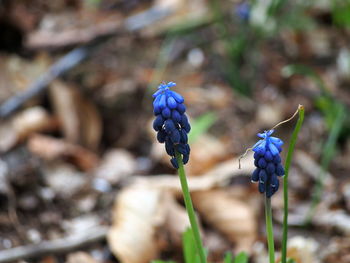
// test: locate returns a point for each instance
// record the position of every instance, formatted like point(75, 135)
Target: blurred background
point(82, 176)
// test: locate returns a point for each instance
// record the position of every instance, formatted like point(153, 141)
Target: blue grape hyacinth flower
point(267, 160)
point(171, 122)
point(243, 11)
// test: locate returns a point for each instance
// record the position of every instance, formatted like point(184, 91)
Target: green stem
point(189, 208)
point(269, 229)
point(285, 181)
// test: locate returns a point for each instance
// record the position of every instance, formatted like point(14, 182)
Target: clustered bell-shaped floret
point(171, 123)
point(268, 162)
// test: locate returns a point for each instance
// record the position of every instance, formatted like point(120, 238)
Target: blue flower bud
point(172, 103)
point(171, 123)
point(262, 176)
point(268, 156)
point(175, 115)
point(181, 148)
point(279, 170)
point(166, 112)
point(175, 136)
point(162, 101)
point(174, 163)
point(269, 191)
point(187, 127)
point(158, 123)
point(177, 96)
point(185, 158)
point(181, 108)
point(184, 120)
point(169, 147)
point(261, 187)
point(161, 136)
point(255, 175)
point(268, 162)
point(262, 163)
point(270, 168)
point(184, 137)
point(157, 111)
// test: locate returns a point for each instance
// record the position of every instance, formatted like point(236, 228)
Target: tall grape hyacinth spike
point(268, 163)
point(171, 123)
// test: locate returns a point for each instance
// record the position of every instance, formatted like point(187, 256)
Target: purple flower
point(171, 122)
point(268, 162)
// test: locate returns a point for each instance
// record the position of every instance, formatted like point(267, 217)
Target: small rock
point(80, 224)
point(34, 235)
point(86, 204)
point(101, 185)
point(116, 165)
point(195, 57)
point(64, 179)
point(28, 202)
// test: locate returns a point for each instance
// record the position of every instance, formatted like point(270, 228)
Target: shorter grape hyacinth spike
point(267, 160)
point(171, 123)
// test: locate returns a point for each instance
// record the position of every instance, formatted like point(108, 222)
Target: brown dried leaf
point(338, 251)
point(35, 119)
point(218, 176)
point(232, 217)
point(176, 221)
point(23, 124)
point(80, 120)
point(137, 213)
point(206, 152)
point(50, 148)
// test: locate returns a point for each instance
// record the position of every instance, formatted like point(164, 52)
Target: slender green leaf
point(201, 125)
point(292, 143)
point(228, 257)
point(242, 257)
point(189, 247)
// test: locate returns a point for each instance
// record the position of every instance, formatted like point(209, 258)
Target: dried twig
point(56, 246)
point(57, 69)
point(76, 56)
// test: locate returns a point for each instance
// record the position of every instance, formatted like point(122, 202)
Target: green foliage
point(335, 114)
point(189, 247)
point(291, 260)
point(275, 5)
point(341, 13)
point(291, 147)
point(201, 125)
point(228, 257)
point(329, 108)
point(241, 257)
